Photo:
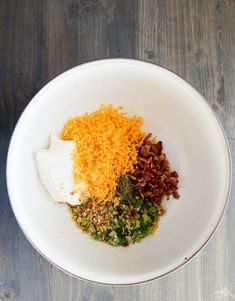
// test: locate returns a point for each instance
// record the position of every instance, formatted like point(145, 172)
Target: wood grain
point(40, 39)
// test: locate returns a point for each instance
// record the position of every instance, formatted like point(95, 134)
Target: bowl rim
point(52, 82)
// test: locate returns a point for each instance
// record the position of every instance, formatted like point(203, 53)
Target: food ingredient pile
point(126, 173)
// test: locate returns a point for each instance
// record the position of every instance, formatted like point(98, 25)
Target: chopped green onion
point(113, 233)
point(116, 221)
point(146, 218)
point(152, 210)
point(122, 241)
point(95, 236)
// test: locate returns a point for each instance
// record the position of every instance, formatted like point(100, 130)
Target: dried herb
point(125, 187)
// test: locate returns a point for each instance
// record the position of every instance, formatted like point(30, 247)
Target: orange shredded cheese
point(106, 147)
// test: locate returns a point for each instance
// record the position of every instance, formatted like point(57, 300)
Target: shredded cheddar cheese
point(106, 147)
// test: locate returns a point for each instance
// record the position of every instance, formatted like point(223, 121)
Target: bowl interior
point(193, 140)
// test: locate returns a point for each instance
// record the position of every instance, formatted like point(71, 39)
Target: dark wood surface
point(39, 39)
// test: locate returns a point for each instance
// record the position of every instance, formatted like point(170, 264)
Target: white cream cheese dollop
point(55, 168)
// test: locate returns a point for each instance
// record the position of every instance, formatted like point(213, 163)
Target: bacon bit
point(152, 172)
point(132, 177)
point(143, 159)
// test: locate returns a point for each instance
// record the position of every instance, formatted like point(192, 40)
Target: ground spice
point(125, 187)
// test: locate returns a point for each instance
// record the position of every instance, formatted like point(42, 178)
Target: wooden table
point(39, 39)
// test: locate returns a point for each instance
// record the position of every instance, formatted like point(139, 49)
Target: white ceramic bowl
point(193, 140)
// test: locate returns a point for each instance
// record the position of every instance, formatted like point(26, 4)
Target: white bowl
point(193, 140)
